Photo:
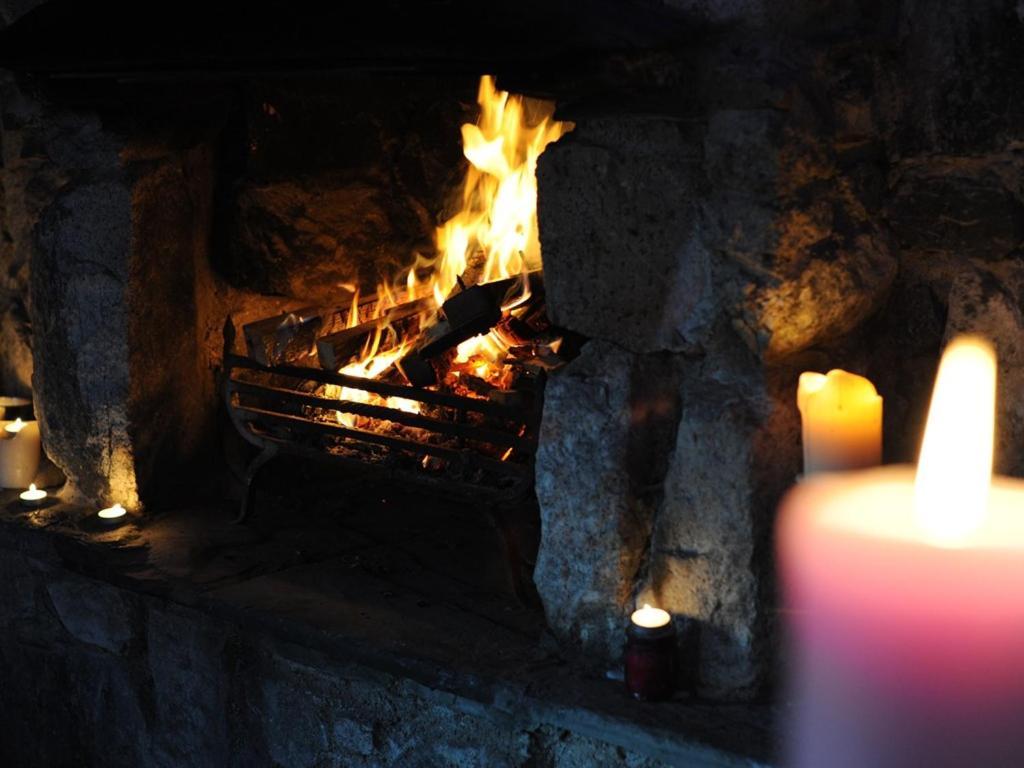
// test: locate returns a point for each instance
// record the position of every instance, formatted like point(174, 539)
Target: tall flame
point(493, 236)
point(498, 219)
point(954, 472)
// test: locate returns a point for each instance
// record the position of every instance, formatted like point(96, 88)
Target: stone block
point(608, 423)
point(968, 206)
point(307, 239)
point(802, 262)
point(93, 613)
point(184, 659)
point(108, 237)
point(644, 283)
point(342, 183)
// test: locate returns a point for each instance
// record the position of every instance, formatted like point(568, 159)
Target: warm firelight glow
point(498, 218)
point(954, 472)
point(370, 367)
point(492, 237)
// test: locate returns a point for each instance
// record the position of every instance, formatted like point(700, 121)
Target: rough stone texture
point(736, 451)
point(22, 193)
point(644, 284)
point(342, 184)
point(967, 205)
point(811, 263)
point(748, 219)
point(307, 240)
point(110, 231)
point(93, 612)
point(239, 662)
point(947, 85)
point(608, 418)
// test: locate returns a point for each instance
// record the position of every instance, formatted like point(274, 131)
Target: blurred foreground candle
point(841, 415)
point(905, 594)
point(19, 453)
point(650, 654)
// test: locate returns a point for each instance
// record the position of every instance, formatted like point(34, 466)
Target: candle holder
point(650, 661)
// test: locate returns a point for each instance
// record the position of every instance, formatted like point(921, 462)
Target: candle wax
point(841, 416)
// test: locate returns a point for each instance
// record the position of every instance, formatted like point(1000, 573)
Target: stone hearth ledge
point(184, 638)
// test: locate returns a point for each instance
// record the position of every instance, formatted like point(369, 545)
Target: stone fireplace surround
point(751, 192)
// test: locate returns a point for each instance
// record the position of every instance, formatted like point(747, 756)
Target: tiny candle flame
point(954, 472)
point(649, 617)
point(16, 427)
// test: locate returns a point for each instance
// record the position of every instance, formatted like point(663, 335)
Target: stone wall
point(146, 682)
point(107, 231)
point(818, 188)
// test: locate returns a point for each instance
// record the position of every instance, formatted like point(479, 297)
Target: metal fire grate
point(469, 448)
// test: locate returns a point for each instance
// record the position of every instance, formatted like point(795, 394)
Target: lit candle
point(842, 421)
point(33, 497)
point(112, 514)
point(650, 618)
point(906, 596)
point(19, 453)
point(650, 654)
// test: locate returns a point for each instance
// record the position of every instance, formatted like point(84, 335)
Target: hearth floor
point(397, 583)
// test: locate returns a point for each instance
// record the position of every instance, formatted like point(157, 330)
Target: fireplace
point(549, 288)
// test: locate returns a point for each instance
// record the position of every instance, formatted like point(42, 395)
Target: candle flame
point(954, 472)
point(32, 487)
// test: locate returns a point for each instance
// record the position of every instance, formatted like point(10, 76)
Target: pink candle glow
point(906, 596)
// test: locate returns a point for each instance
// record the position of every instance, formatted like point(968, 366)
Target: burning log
point(471, 312)
point(336, 350)
point(283, 338)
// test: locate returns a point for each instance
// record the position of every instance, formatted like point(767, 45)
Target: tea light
point(113, 514)
point(33, 497)
point(650, 654)
point(20, 448)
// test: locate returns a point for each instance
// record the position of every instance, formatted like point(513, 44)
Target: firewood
point(288, 337)
point(335, 350)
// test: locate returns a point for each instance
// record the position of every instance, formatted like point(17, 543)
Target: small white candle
point(33, 497)
point(112, 514)
point(841, 414)
point(19, 453)
point(650, 618)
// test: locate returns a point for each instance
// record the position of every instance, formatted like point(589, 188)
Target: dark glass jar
point(650, 661)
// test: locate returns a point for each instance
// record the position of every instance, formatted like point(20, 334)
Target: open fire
point(438, 377)
point(492, 238)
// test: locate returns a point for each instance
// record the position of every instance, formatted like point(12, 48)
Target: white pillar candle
point(19, 453)
point(841, 415)
point(906, 597)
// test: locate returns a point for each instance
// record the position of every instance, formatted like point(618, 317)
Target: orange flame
point(492, 237)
